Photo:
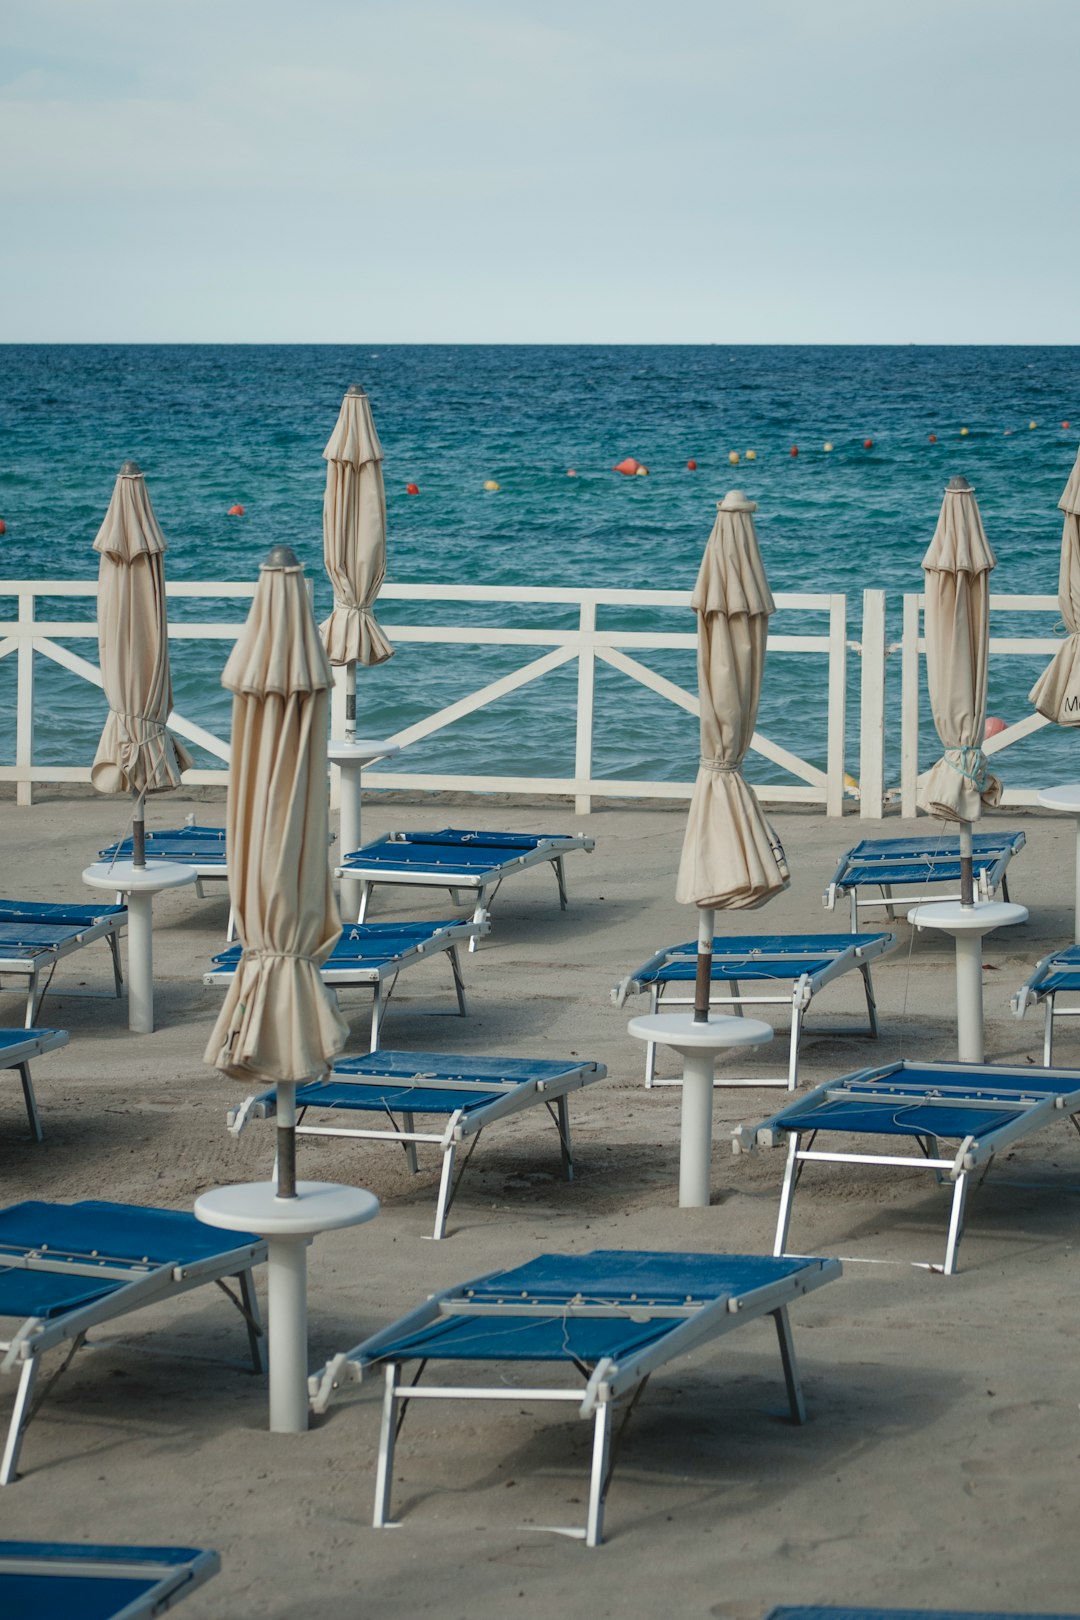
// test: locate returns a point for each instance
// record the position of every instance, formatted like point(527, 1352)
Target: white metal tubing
point(140, 932)
point(349, 834)
point(695, 1151)
point(837, 701)
point(585, 705)
point(970, 1045)
point(872, 707)
point(286, 1283)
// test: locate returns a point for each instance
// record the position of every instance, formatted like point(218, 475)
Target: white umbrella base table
point(968, 924)
point(1066, 799)
point(288, 1225)
point(699, 1045)
point(350, 759)
point(138, 885)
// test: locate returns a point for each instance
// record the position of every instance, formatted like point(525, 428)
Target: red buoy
point(994, 725)
point(932, 438)
point(794, 449)
point(691, 466)
point(236, 511)
point(571, 472)
point(3, 527)
point(1064, 425)
point(412, 489)
point(868, 444)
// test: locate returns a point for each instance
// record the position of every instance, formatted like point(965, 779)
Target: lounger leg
point(481, 911)
point(791, 1369)
point(30, 1101)
point(1005, 887)
point(1048, 1033)
point(408, 1123)
point(598, 1481)
point(787, 1192)
point(459, 982)
point(446, 1181)
point(871, 1000)
point(384, 1473)
point(956, 1223)
point(854, 898)
point(230, 927)
point(118, 977)
point(793, 1048)
point(376, 1017)
point(20, 1417)
point(650, 1046)
point(32, 999)
point(560, 878)
point(365, 896)
point(252, 1319)
point(562, 1121)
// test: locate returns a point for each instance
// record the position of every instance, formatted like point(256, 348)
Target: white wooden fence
point(589, 634)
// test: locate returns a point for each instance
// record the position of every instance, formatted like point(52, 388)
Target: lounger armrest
point(620, 991)
point(743, 1139)
point(828, 899)
point(1022, 999)
point(260, 1105)
point(323, 1386)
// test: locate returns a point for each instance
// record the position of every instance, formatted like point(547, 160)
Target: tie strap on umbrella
point(721, 766)
point(970, 763)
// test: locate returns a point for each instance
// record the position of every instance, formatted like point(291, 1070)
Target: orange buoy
point(1064, 424)
point(868, 444)
point(3, 527)
point(236, 511)
point(932, 437)
point(628, 467)
point(571, 472)
point(691, 466)
point(794, 449)
point(994, 724)
point(412, 489)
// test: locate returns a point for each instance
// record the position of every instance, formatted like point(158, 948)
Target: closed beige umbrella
point(354, 542)
point(957, 567)
point(731, 858)
point(279, 1022)
point(137, 754)
point(1056, 693)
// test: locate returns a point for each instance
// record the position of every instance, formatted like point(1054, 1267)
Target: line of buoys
point(412, 489)
point(489, 483)
point(236, 511)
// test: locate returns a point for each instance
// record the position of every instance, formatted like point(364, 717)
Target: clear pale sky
point(551, 171)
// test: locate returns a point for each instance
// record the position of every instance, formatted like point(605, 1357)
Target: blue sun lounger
point(66, 1268)
point(827, 1613)
point(466, 1094)
point(35, 935)
point(17, 1047)
point(58, 1580)
point(374, 954)
point(781, 970)
point(201, 848)
point(613, 1316)
point(477, 862)
point(913, 864)
point(1057, 974)
point(981, 1108)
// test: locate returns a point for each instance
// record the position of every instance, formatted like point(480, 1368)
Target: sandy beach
point(938, 1464)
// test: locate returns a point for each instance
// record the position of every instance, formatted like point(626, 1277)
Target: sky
point(576, 171)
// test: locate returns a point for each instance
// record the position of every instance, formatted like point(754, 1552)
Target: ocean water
point(213, 425)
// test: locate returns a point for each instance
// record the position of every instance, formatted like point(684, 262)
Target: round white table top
point(1064, 797)
point(361, 751)
point(684, 1033)
point(131, 879)
point(980, 918)
point(254, 1206)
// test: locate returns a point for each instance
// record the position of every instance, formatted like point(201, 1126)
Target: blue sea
point(216, 425)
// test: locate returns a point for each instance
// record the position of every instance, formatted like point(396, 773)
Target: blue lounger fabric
point(922, 860)
point(98, 1583)
point(364, 944)
point(818, 1613)
point(406, 1072)
point(198, 845)
point(761, 956)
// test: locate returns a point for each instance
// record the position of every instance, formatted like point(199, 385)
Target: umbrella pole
point(138, 829)
point(967, 875)
point(286, 1139)
point(703, 980)
point(350, 701)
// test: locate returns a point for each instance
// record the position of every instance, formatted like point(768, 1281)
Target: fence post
point(872, 708)
point(585, 692)
point(337, 729)
point(909, 706)
point(24, 713)
point(837, 706)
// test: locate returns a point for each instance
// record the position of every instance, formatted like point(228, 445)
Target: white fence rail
point(29, 637)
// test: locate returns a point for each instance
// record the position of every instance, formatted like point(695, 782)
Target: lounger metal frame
point(173, 1573)
point(440, 872)
point(463, 1125)
point(754, 954)
point(444, 936)
point(139, 1282)
point(1035, 1096)
point(1065, 965)
point(609, 1385)
point(31, 959)
point(17, 1047)
point(992, 853)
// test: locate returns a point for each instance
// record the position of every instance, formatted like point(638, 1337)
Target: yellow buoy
point(751, 455)
point(489, 483)
point(1033, 424)
point(827, 445)
point(963, 433)
point(733, 456)
point(850, 784)
point(640, 471)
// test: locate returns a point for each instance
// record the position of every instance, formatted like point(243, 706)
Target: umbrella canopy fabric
point(957, 567)
point(1056, 693)
point(136, 753)
point(279, 1021)
point(731, 858)
point(354, 535)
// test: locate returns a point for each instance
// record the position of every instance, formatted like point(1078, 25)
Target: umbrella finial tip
point(281, 557)
point(131, 469)
point(355, 390)
point(958, 485)
point(736, 501)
